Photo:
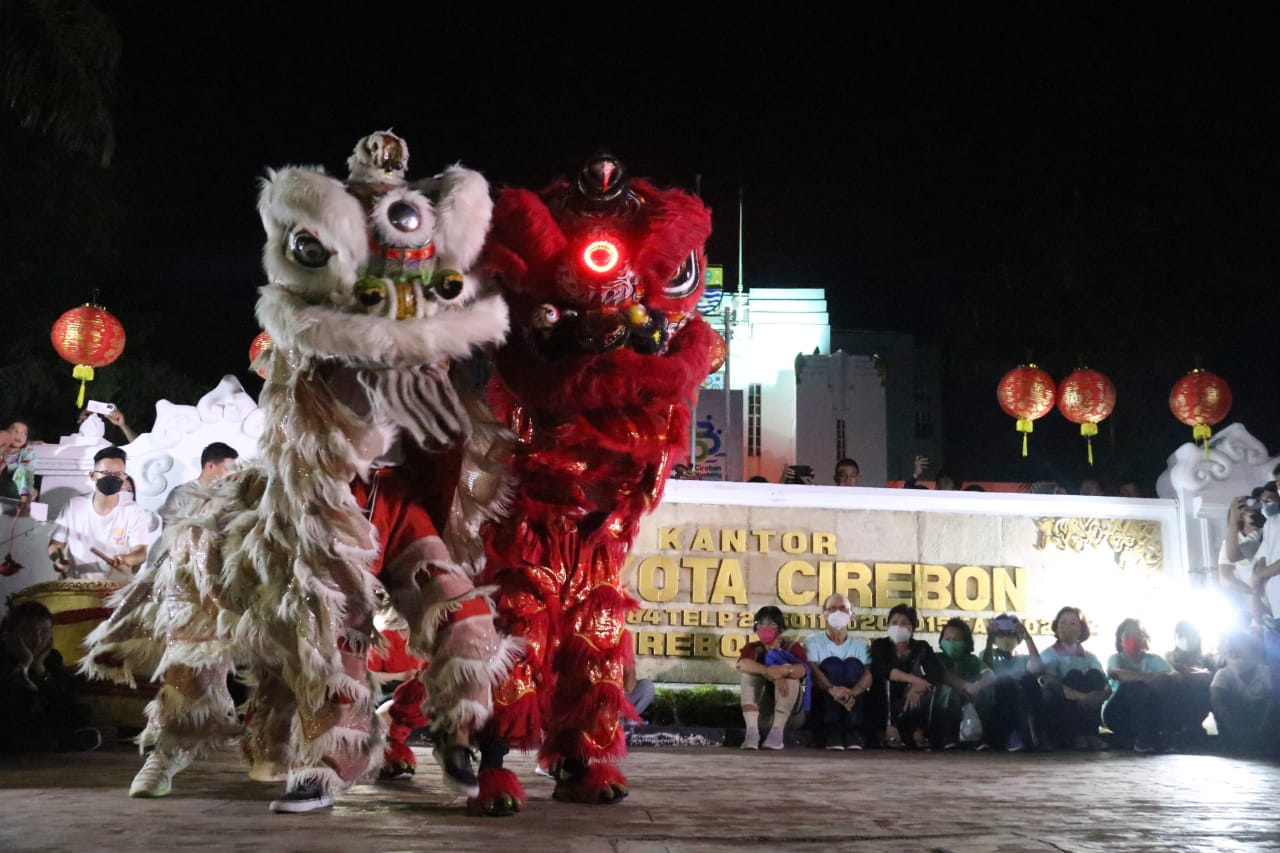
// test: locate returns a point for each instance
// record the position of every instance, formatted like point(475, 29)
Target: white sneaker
point(774, 740)
point(155, 779)
point(752, 739)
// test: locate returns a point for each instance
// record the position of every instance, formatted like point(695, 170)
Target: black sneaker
point(455, 761)
point(854, 740)
point(835, 740)
point(304, 798)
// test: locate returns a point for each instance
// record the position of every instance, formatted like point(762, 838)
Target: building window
point(753, 419)
point(840, 441)
point(924, 425)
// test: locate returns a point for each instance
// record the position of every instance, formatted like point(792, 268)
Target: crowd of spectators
point(899, 692)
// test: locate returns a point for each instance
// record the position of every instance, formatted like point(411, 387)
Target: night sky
point(1084, 187)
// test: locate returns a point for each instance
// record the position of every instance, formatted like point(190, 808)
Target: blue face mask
point(1270, 509)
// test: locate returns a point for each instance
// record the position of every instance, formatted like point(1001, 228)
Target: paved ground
point(694, 799)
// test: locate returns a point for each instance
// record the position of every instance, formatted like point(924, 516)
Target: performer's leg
point(191, 714)
point(588, 704)
point(268, 723)
point(404, 715)
point(340, 739)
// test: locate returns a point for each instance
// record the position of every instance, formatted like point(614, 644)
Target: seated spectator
point(904, 674)
point(1195, 671)
point(640, 691)
point(838, 663)
point(965, 678)
point(1091, 487)
point(1012, 707)
point(1075, 685)
point(1143, 705)
point(101, 522)
point(1130, 489)
point(773, 676)
point(1244, 706)
point(18, 478)
point(38, 707)
point(847, 473)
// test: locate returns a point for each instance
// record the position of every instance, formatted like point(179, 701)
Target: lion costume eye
point(685, 281)
point(306, 250)
point(447, 284)
point(371, 292)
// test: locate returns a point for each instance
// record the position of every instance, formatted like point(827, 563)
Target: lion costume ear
point(463, 209)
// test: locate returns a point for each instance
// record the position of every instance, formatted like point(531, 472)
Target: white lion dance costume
point(377, 470)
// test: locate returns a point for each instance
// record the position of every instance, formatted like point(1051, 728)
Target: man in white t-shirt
point(1266, 573)
point(838, 664)
point(101, 521)
point(216, 461)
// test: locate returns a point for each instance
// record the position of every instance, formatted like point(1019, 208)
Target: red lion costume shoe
point(602, 275)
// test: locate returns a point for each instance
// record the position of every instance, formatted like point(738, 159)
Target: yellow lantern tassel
point(1089, 430)
point(1025, 426)
point(84, 373)
point(1201, 432)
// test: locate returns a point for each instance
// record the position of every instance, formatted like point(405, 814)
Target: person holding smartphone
point(1011, 708)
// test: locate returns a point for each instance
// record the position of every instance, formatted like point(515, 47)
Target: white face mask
point(1183, 644)
point(899, 633)
point(838, 619)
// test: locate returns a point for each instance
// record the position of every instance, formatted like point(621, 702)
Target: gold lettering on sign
point(786, 583)
point(853, 580)
point(702, 541)
point(893, 584)
point(981, 585)
point(733, 541)
point(933, 587)
point(669, 538)
point(730, 584)
point(646, 580)
point(1134, 543)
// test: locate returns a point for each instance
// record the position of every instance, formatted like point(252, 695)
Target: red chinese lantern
point(88, 337)
point(260, 344)
point(719, 352)
point(1026, 393)
point(1200, 400)
point(1086, 397)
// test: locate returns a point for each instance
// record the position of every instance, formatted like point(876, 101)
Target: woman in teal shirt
point(1144, 698)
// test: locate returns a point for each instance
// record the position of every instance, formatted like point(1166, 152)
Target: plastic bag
point(970, 724)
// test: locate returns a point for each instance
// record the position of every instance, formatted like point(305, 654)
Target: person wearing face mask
point(1265, 579)
point(965, 678)
point(1012, 706)
point(1239, 551)
point(1075, 685)
point(1244, 706)
point(773, 679)
point(101, 521)
point(1195, 671)
point(1144, 702)
point(904, 673)
point(840, 677)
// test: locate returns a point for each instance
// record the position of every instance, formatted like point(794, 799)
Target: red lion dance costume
point(602, 275)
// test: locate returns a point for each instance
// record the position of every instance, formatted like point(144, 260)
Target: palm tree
point(58, 61)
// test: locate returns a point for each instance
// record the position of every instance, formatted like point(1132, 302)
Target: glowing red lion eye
point(600, 256)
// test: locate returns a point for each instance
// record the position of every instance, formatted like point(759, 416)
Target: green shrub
point(707, 705)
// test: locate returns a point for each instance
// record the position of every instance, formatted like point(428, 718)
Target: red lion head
point(602, 273)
